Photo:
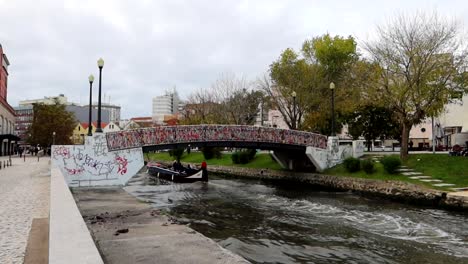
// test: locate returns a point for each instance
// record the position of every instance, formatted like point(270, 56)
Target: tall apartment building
point(24, 119)
point(25, 114)
point(167, 104)
point(7, 113)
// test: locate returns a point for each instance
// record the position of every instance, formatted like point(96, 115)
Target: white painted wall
point(92, 164)
point(334, 154)
point(456, 114)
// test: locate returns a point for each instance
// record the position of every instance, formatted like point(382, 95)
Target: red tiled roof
point(94, 124)
point(141, 118)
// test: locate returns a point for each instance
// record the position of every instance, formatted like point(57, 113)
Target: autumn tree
point(48, 119)
point(201, 108)
point(308, 73)
point(291, 75)
point(231, 100)
point(421, 62)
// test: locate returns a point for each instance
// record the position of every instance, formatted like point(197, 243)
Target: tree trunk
point(404, 141)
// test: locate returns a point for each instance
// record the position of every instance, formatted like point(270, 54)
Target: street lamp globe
point(294, 94)
point(100, 63)
point(91, 78)
point(332, 85)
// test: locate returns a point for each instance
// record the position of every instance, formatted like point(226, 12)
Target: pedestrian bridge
point(113, 158)
point(238, 136)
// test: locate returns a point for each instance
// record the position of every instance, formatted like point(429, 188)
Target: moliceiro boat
point(178, 173)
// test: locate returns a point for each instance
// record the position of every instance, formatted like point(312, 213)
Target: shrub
point(352, 164)
point(251, 153)
point(210, 152)
point(217, 152)
point(176, 153)
point(243, 156)
point(368, 166)
point(391, 163)
point(235, 157)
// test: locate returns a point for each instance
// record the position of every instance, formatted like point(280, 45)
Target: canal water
point(267, 223)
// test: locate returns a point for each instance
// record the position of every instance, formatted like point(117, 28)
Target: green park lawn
point(443, 167)
point(261, 160)
point(439, 166)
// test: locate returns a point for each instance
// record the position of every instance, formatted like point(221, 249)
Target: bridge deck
point(216, 135)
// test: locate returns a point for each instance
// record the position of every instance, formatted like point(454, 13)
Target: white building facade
point(167, 104)
point(62, 99)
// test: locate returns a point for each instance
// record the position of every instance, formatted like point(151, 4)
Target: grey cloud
point(151, 46)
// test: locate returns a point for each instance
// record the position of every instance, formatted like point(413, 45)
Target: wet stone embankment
point(392, 190)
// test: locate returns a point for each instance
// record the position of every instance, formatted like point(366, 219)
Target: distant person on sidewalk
point(20, 151)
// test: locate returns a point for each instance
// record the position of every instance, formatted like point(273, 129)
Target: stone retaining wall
point(69, 239)
point(393, 190)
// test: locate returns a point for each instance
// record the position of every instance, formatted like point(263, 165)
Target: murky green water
point(272, 224)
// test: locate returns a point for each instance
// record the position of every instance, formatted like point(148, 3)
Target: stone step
point(443, 184)
point(412, 173)
point(403, 166)
point(460, 189)
point(404, 170)
point(420, 177)
point(432, 180)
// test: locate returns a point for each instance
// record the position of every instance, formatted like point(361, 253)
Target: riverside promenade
point(24, 196)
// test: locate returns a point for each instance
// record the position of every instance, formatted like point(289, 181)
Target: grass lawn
point(379, 174)
point(443, 167)
point(448, 169)
point(261, 160)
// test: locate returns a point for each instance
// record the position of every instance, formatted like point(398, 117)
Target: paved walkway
point(24, 195)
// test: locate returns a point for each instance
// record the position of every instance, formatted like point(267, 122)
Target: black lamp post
point(100, 63)
point(294, 109)
point(53, 138)
point(332, 88)
point(91, 80)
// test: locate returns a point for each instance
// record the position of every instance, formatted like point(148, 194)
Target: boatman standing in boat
point(204, 171)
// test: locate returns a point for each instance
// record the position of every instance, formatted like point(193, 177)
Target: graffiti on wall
point(211, 133)
point(92, 163)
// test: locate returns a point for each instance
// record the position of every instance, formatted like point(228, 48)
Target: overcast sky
point(151, 46)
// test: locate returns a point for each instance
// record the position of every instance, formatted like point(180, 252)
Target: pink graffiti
point(122, 165)
point(62, 151)
point(74, 171)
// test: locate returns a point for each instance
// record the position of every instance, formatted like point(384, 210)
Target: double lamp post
point(100, 64)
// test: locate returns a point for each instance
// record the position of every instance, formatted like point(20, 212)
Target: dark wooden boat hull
point(167, 174)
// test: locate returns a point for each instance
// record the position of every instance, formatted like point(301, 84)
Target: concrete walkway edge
point(69, 238)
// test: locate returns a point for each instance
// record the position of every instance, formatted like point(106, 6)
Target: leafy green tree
point(243, 107)
point(48, 119)
point(372, 122)
point(292, 74)
point(335, 54)
point(321, 60)
point(422, 63)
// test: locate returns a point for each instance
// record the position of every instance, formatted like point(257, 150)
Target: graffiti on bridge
point(211, 133)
